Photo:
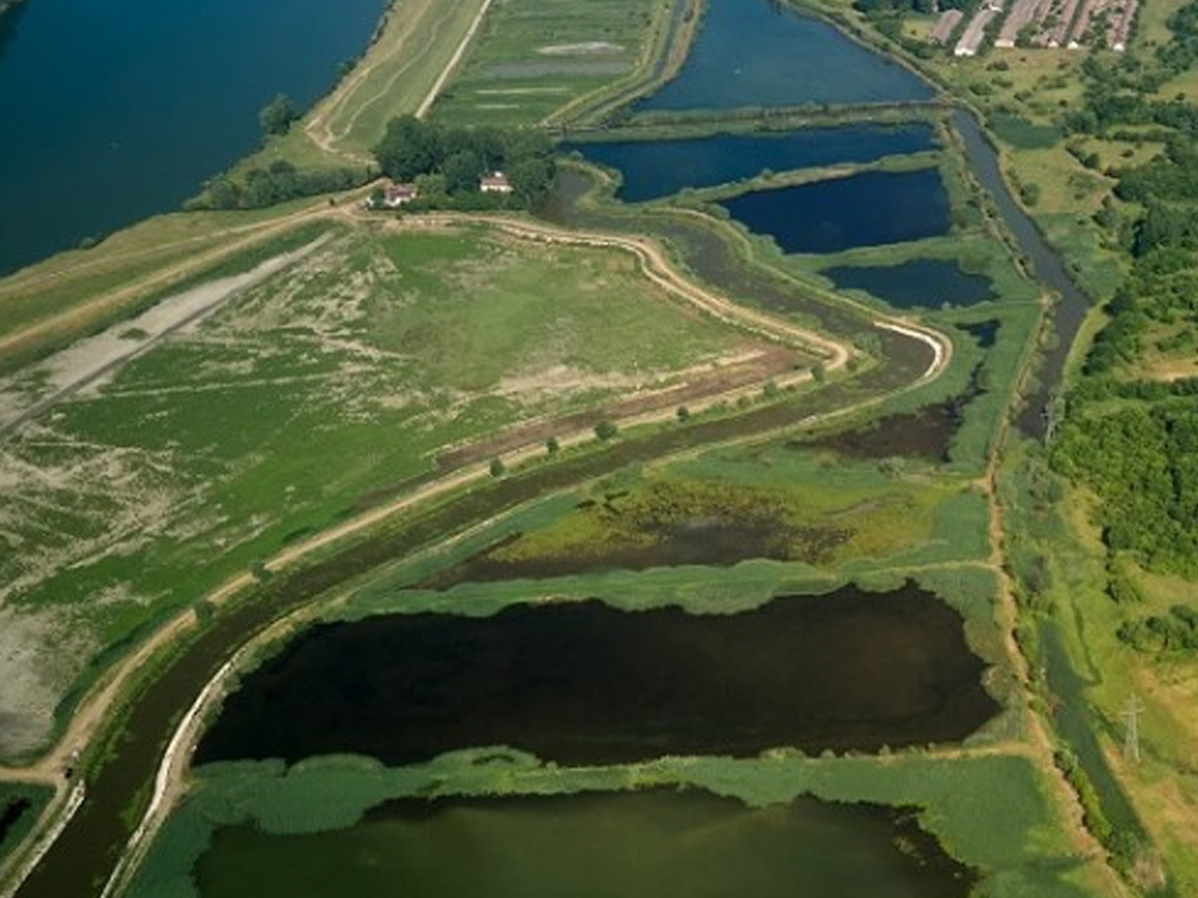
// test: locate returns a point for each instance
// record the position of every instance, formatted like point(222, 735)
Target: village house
point(399, 195)
point(495, 182)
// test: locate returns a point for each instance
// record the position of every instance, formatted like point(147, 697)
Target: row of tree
point(447, 163)
point(277, 183)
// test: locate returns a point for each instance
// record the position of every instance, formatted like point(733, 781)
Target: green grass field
point(276, 415)
point(535, 56)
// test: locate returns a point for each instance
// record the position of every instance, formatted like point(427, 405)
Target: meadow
point(274, 417)
point(534, 57)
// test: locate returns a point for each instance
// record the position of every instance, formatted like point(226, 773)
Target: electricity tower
point(1131, 740)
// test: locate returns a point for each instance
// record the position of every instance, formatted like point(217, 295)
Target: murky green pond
point(657, 844)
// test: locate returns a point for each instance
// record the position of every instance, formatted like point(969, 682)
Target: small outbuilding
point(494, 182)
point(399, 195)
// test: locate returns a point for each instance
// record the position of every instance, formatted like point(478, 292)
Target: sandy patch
point(93, 360)
point(585, 48)
point(32, 679)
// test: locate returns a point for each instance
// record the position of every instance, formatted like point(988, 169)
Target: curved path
point(172, 766)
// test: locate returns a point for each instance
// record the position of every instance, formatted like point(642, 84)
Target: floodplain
point(853, 490)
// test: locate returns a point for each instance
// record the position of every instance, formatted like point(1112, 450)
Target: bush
point(606, 430)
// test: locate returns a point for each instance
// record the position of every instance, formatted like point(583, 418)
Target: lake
point(117, 111)
point(657, 168)
point(916, 283)
point(866, 209)
point(651, 844)
point(583, 683)
point(760, 53)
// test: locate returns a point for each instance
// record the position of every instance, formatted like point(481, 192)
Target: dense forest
point(1131, 437)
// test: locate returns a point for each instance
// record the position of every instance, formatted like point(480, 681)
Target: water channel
point(119, 110)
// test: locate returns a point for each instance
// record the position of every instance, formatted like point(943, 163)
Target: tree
point(684, 413)
point(552, 446)
point(408, 148)
point(276, 117)
point(497, 467)
point(462, 171)
point(606, 430)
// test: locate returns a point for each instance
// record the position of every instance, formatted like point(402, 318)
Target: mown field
point(277, 415)
point(533, 57)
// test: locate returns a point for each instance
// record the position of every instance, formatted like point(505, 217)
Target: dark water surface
point(10, 813)
point(657, 168)
point(866, 209)
point(583, 683)
point(917, 283)
point(653, 844)
point(115, 111)
point(759, 53)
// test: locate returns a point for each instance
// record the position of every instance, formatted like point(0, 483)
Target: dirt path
point(320, 129)
point(427, 103)
point(80, 315)
point(94, 358)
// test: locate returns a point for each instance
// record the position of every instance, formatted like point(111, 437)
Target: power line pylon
point(1131, 739)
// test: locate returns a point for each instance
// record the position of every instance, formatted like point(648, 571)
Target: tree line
point(446, 163)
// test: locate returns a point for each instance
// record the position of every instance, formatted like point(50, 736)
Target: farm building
point(495, 182)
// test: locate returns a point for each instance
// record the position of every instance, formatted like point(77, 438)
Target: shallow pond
point(657, 168)
point(917, 283)
point(762, 53)
point(867, 209)
point(655, 844)
point(583, 683)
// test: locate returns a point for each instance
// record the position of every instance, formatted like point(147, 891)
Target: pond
point(583, 683)
point(657, 168)
point(867, 209)
point(116, 111)
point(916, 283)
point(652, 844)
point(763, 53)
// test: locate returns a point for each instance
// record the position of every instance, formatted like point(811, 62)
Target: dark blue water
point(868, 209)
point(653, 169)
point(115, 110)
point(761, 53)
point(919, 283)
